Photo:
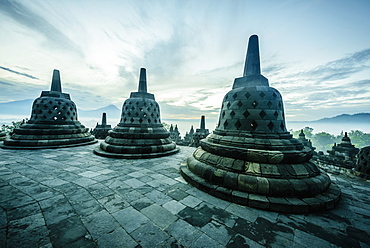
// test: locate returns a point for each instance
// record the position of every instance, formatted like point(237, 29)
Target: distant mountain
point(344, 118)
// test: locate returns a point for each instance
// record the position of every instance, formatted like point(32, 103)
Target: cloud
point(28, 18)
point(19, 73)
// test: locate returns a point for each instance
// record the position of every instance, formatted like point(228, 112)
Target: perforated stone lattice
point(253, 109)
point(53, 109)
point(140, 111)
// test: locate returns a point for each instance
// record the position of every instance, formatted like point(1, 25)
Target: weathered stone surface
point(251, 154)
point(140, 133)
point(53, 123)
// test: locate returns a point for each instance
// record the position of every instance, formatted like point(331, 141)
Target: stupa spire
point(104, 119)
point(252, 61)
point(142, 81)
point(203, 122)
point(55, 83)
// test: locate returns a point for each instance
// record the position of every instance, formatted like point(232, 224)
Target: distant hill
point(344, 118)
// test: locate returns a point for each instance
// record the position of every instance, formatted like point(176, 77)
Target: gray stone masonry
point(70, 198)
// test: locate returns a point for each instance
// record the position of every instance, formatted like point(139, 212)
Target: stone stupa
point(200, 133)
point(2, 135)
point(140, 133)
point(53, 123)
point(251, 158)
point(101, 130)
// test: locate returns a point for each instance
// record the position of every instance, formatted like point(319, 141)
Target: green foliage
point(359, 138)
point(8, 129)
point(166, 126)
point(324, 141)
point(307, 131)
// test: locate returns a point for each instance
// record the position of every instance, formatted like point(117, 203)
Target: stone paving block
point(27, 223)
point(174, 206)
point(141, 203)
point(58, 212)
point(150, 235)
point(241, 241)
point(113, 203)
point(131, 196)
point(100, 224)
point(190, 201)
point(130, 219)
point(308, 240)
point(218, 232)
point(206, 242)
point(82, 181)
point(185, 233)
point(176, 193)
point(85, 208)
point(70, 233)
point(116, 238)
point(158, 197)
point(134, 183)
point(89, 174)
point(54, 182)
point(99, 190)
point(36, 237)
point(159, 215)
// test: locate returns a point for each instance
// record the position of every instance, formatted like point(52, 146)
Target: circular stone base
point(324, 201)
point(48, 147)
point(103, 153)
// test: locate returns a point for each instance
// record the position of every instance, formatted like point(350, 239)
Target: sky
point(315, 53)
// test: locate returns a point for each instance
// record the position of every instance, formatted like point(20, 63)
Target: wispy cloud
point(19, 73)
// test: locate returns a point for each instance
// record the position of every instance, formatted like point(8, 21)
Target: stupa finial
point(203, 122)
point(142, 81)
point(252, 61)
point(55, 83)
point(104, 120)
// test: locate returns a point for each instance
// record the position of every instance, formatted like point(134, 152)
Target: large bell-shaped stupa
point(251, 158)
point(140, 133)
point(53, 123)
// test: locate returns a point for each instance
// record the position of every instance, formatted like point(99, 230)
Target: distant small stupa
point(200, 133)
point(53, 123)
point(140, 133)
point(101, 130)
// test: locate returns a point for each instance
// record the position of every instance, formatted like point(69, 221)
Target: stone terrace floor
point(72, 198)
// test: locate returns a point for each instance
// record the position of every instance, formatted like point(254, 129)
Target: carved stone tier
point(53, 123)
point(363, 162)
point(251, 159)
point(140, 133)
point(101, 130)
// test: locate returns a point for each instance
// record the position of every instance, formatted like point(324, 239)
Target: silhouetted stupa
point(200, 133)
point(251, 158)
point(53, 123)
point(101, 131)
point(140, 133)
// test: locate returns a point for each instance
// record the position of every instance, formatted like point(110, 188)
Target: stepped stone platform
point(70, 198)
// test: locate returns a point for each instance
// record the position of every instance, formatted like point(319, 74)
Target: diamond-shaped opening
point(36, 117)
point(152, 115)
point(130, 103)
point(59, 103)
point(271, 125)
point(149, 109)
point(263, 114)
point(149, 120)
point(144, 104)
point(232, 114)
point(269, 104)
point(276, 114)
point(50, 102)
point(262, 94)
point(144, 115)
point(42, 101)
point(282, 126)
point(235, 96)
point(157, 115)
point(227, 96)
point(124, 120)
point(71, 118)
point(226, 124)
point(68, 113)
point(246, 114)
point(254, 125)
point(55, 107)
point(55, 118)
point(238, 124)
point(137, 103)
point(223, 114)
point(71, 109)
point(239, 104)
point(247, 95)
point(129, 113)
point(45, 106)
point(136, 114)
point(151, 104)
point(279, 104)
point(274, 95)
point(140, 120)
point(155, 109)
point(40, 111)
point(64, 108)
point(283, 116)
point(228, 105)
point(254, 104)
point(132, 120)
point(59, 113)
point(44, 117)
point(155, 120)
point(132, 108)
